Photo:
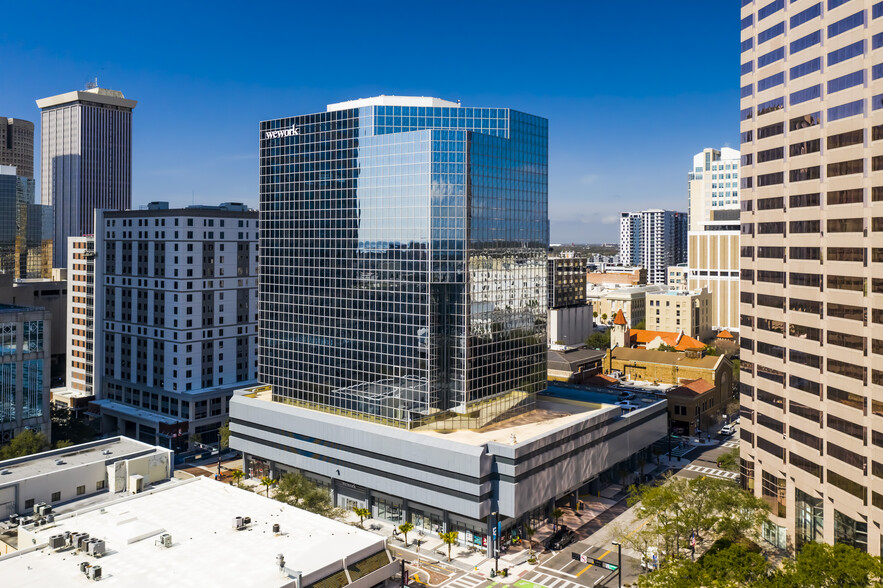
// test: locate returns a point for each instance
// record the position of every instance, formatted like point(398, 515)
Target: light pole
point(618, 562)
point(495, 541)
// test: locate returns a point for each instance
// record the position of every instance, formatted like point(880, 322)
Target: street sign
point(593, 561)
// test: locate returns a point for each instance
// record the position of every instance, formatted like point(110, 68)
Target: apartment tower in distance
point(403, 320)
point(812, 268)
point(85, 160)
point(163, 319)
point(654, 240)
point(713, 247)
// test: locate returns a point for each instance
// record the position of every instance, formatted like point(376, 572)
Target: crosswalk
point(731, 444)
point(466, 581)
point(681, 451)
point(550, 581)
point(713, 472)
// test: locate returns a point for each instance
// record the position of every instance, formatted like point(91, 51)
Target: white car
point(728, 429)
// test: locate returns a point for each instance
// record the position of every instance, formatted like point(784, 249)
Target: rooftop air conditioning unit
point(56, 541)
point(166, 540)
point(94, 572)
point(237, 523)
point(4, 472)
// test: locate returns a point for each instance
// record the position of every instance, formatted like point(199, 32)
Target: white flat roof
point(206, 549)
point(384, 100)
point(73, 457)
point(99, 95)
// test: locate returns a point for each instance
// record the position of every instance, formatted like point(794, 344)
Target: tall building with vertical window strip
point(85, 160)
point(812, 268)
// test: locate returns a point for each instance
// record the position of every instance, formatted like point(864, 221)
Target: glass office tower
point(403, 261)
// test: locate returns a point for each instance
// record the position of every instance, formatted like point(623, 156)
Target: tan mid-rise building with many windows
point(688, 312)
point(812, 268)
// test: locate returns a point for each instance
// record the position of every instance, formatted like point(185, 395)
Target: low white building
point(62, 475)
point(198, 532)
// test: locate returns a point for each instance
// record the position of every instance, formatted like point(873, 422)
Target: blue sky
point(631, 89)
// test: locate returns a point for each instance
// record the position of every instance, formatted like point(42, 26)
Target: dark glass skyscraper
point(403, 261)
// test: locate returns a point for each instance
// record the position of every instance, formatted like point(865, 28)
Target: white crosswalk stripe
point(550, 581)
point(713, 472)
point(731, 444)
point(466, 581)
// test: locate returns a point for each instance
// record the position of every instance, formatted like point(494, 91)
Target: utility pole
point(618, 562)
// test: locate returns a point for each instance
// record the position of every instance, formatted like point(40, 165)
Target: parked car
point(728, 429)
point(627, 406)
point(561, 539)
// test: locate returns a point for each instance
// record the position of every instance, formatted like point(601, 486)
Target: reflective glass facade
point(25, 229)
point(403, 262)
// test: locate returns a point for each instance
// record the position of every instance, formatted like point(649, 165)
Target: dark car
point(561, 539)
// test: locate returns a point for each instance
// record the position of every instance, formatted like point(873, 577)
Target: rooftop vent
point(106, 452)
point(4, 472)
point(59, 462)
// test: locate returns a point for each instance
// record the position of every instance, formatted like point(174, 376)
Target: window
point(768, 58)
point(771, 33)
point(807, 226)
point(747, 21)
point(846, 110)
point(803, 200)
point(770, 179)
point(814, 38)
point(846, 311)
point(846, 254)
point(850, 22)
point(807, 15)
point(56, 496)
point(99, 485)
point(805, 95)
point(773, 81)
point(81, 490)
point(848, 52)
point(805, 438)
point(855, 137)
point(848, 457)
point(845, 225)
point(843, 168)
point(804, 174)
point(804, 147)
point(769, 155)
point(848, 370)
point(770, 130)
point(29, 503)
point(849, 399)
point(847, 530)
point(806, 121)
point(770, 106)
point(848, 81)
point(769, 9)
point(808, 67)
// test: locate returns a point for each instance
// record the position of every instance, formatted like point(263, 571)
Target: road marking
point(713, 472)
point(465, 581)
point(732, 444)
point(556, 571)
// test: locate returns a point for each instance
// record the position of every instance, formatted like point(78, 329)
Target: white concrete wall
point(571, 325)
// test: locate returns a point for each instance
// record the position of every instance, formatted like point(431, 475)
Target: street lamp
point(618, 561)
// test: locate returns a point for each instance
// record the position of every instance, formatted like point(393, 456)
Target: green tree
point(406, 528)
point(599, 340)
point(557, 513)
point(665, 347)
point(224, 436)
point(595, 314)
point(362, 513)
point(821, 565)
point(25, 443)
point(729, 460)
point(450, 539)
point(604, 317)
point(267, 481)
point(62, 443)
point(299, 491)
point(237, 476)
point(712, 351)
point(641, 325)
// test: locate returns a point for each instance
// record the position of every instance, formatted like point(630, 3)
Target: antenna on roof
point(92, 84)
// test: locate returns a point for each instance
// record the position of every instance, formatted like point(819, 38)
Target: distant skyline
point(631, 90)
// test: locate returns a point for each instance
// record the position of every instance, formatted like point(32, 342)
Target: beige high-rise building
point(812, 268)
point(85, 160)
point(713, 239)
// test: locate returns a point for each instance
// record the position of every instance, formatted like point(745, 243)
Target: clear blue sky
point(631, 89)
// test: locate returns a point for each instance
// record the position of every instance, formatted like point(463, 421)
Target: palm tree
point(362, 513)
point(450, 538)
point(237, 476)
point(268, 481)
point(529, 531)
point(405, 528)
point(557, 514)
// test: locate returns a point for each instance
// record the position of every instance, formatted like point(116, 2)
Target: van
point(728, 429)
